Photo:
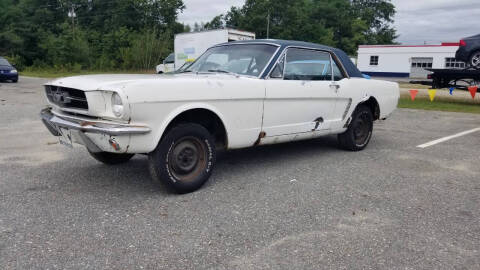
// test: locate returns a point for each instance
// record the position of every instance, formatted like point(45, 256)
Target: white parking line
point(448, 138)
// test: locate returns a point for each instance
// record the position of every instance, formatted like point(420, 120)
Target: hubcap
point(187, 159)
point(363, 127)
point(475, 60)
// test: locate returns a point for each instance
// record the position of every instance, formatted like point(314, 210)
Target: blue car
point(7, 71)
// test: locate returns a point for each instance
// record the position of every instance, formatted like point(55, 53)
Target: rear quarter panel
point(358, 90)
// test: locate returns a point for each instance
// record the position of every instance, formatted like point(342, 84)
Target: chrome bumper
point(52, 121)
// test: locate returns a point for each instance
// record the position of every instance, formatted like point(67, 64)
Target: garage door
point(419, 64)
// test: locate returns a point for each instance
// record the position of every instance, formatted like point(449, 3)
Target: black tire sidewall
point(370, 131)
point(159, 158)
point(347, 139)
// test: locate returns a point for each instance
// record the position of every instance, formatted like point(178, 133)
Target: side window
point(337, 74)
point(303, 64)
point(374, 60)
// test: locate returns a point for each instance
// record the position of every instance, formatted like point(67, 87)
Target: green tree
point(215, 23)
point(86, 33)
point(341, 23)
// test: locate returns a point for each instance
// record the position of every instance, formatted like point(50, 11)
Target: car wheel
point(111, 158)
point(184, 159)
point(475, 59)
point(15, 81)
point(359, 132)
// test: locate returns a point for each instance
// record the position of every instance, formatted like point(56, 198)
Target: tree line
point(138, 34)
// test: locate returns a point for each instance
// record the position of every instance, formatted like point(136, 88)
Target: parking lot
point(305, 205)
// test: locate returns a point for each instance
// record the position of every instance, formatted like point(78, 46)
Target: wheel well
point(374, 107)
point(208, 120)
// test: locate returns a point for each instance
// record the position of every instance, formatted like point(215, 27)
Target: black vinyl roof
point(350, 68)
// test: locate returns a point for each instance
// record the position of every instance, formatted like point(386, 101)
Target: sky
point(416, 21)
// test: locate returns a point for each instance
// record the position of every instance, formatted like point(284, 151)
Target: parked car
point(168, 64)
point(469, 51)
point(7, 71)
point(236, 95)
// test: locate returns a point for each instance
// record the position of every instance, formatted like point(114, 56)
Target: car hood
point(4, 67)
point(118, 81)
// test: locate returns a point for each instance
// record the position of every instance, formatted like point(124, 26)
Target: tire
point(474, 59)
point(184, 159)
point(360, 130)
point(111, 158)
point(15, 81)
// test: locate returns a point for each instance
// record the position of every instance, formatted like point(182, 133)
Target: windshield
point(242, 59)
point(4, 62)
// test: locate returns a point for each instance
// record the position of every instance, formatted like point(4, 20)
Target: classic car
point(236, 95)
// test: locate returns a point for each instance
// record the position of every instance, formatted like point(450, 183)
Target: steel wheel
point(362, 129)
point(359, 132)
point(187, 159)
point(475, 59)
point(184, 159)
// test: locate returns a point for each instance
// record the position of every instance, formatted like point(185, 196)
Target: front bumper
point(50, 119)
point(8, 76)
point(96, 135)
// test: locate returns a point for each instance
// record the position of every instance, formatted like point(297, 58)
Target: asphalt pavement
point(304, 205)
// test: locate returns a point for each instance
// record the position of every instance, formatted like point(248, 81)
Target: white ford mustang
point(235, 95)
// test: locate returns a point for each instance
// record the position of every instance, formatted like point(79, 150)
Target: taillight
point(463, 43)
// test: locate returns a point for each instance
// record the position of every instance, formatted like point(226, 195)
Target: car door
point(300, 93)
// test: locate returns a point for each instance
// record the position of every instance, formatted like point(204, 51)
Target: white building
point(406, 60)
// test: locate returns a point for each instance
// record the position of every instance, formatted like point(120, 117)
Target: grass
point(50, 73)
point(422, 103)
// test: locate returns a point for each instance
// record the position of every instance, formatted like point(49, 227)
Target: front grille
point(67, 97)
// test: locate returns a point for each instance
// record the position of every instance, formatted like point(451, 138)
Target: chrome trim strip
point(101, 127)
point(86, 118)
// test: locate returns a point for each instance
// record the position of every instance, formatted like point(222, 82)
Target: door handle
point(335, 86)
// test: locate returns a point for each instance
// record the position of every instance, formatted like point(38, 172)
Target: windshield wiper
point(222, 71)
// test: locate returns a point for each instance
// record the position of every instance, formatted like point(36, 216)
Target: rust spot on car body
point(260, 137)
point(317, 122)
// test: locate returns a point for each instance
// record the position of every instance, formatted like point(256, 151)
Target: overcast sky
point(417, 21)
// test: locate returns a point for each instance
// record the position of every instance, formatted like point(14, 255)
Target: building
point(406, 60)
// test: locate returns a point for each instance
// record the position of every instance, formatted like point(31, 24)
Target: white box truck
point(189, 46)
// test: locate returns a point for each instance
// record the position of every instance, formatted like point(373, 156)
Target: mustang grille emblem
point(60, 96)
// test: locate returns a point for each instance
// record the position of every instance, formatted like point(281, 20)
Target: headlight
point(117, 105)
point(13, 71)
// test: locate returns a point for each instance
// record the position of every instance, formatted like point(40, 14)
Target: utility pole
point(72, 15)
point(268, 24)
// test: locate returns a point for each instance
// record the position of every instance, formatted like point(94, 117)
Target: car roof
point(347, 63)
point(286, 43)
